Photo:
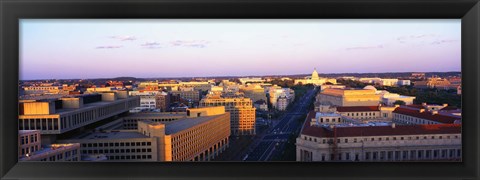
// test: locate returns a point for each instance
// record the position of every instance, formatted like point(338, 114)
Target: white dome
point(370, 87)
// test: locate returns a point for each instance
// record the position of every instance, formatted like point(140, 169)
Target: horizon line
point(236, 76)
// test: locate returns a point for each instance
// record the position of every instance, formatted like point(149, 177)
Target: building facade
point(348, 97)
point(242, 113)
point(201, 136)
point(315, 80)
point(440, 142)
point(30, 148)
point(65, 114)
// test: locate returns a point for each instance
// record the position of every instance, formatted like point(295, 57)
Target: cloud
point(124, 38)
point(151, 45)
point(192, 43)
point(108, 47)
point(365, 47)
point(402, 39)
point(443, 41)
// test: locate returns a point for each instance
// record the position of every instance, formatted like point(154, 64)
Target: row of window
point(116, 144)
point(355, 140)
point(32, 138)
point(111, 151)
point(44, 124)
point(129, 157)
point(396, 155)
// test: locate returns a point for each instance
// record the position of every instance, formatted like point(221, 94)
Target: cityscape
point(240, 90)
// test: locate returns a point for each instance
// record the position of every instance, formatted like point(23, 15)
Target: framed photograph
point(241, 90)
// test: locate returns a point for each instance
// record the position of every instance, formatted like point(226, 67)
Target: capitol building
point(315, 79)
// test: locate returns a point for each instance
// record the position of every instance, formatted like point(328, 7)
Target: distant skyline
point(87, 49)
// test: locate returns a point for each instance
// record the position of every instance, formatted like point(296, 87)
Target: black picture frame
point(13, 10)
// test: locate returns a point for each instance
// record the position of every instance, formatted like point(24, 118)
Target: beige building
point(194, 96)
point(348, 97)
point(254, 92)
point(242, 112)
point(65, 114)
point(201, 136)
point(30, 148)
point(442, 142)
point(315, 80)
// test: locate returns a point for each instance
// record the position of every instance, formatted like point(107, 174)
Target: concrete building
point(193, 96)
point(348, 97)
point(326, 118)
point(440, 142)
point(61, 115)
point(242, 112)
point(30, 148)
point(147, 98)
point(254, 92)
point(261, 105)
point(276, 93)
point(424, 114)
point(314, 79)
point(282, 103)
point(41, 89)
point(438, 83)
point(390, 98)
point(162, 101)
point(201, 136)
point(404, 82)
point(251, 80)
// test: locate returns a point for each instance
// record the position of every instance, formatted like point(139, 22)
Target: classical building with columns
point(315, 80)
point(201, 136)
point(426, 142)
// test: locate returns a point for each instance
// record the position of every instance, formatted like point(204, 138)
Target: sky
point(101, 48)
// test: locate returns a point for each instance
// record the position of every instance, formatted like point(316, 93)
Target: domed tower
point(315, 74)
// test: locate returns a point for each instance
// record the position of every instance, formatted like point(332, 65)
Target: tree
point(399, 102)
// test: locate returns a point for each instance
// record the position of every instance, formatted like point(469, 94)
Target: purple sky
point(64, 49)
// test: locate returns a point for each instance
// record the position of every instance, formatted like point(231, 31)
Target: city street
point(271, 144)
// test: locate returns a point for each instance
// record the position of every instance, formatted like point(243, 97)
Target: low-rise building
point(201, 136)
point(30, 148)
point(327, 143)
point(426, 114)
point(348, 97)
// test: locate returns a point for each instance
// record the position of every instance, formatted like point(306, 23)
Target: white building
point(404, 82)
point(275, 93)
point(390, 98)
point(442, 142)
point(147, 98)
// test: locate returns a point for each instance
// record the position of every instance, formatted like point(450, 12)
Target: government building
point(201, 135)
point(348, 97)
point(314, 79)
point(422, 142)
point(60, 115)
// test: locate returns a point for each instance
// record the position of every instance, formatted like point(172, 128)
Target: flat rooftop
point(182, 124)
point(157, 114)
point(90, 105)
point(319, 114)
point(122, 134)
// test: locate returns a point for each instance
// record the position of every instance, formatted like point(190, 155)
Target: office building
point(30, 148)
point(242, 112)
point(57, 116)
point(201, 136)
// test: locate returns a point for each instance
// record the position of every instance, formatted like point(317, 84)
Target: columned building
point(314, 79)
point(438, 142)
